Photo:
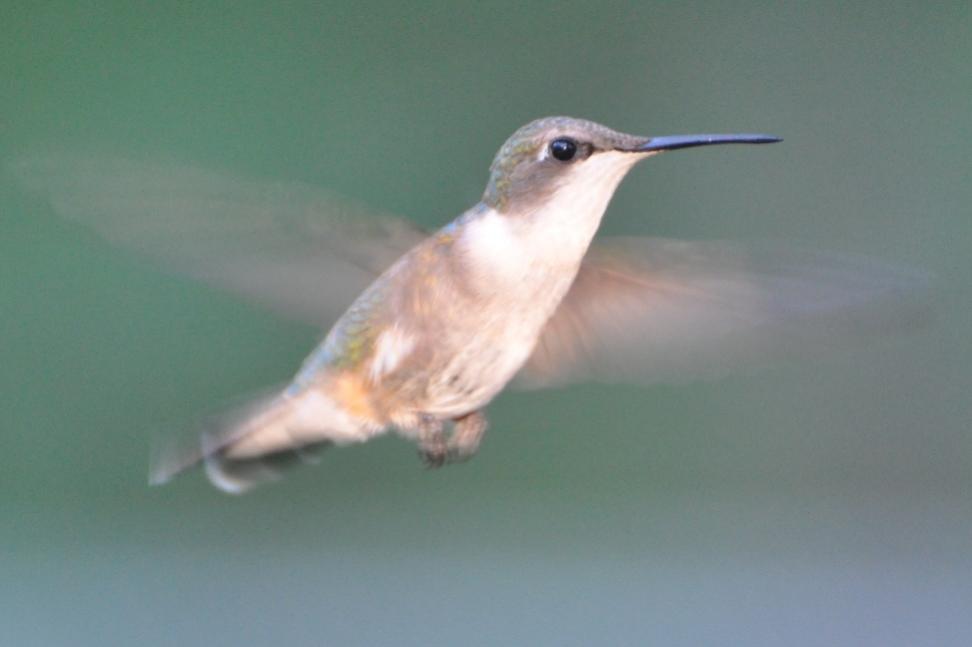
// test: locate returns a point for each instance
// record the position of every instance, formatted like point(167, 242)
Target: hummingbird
point(510, 290)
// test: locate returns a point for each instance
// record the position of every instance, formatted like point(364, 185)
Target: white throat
point(531, 249)
point(563, 227)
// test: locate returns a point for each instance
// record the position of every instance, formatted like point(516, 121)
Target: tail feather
point(238, 475)
point(253, 443)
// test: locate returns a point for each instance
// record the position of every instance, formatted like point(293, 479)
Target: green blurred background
point(824, 504)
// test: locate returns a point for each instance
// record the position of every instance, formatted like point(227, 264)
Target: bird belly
point(476, 373)
point(478, 358)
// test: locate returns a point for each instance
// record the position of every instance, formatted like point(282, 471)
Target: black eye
point(563, 149)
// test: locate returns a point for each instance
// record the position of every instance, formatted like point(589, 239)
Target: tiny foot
point(466, 436)
point(433, 448)
point(434, 458)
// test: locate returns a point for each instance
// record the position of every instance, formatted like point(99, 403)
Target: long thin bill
point(674, 142)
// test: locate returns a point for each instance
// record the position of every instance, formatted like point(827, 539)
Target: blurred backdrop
point(824, 504)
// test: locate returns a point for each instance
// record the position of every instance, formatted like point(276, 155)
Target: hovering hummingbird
point(511, 287)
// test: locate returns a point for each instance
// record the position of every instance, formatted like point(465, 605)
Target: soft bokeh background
point(824, 504)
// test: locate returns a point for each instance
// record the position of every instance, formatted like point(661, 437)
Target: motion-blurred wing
point(652, 310)
point(297, 249)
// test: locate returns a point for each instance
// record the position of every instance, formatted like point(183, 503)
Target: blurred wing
point(652, 310)
point(300, 250)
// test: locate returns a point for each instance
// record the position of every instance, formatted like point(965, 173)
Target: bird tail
point(254, 442)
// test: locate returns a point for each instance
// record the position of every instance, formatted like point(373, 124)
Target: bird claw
point(435, 451)
point(433, 448)
point(434, 457)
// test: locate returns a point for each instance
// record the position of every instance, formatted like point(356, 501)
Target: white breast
point(520, 267)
